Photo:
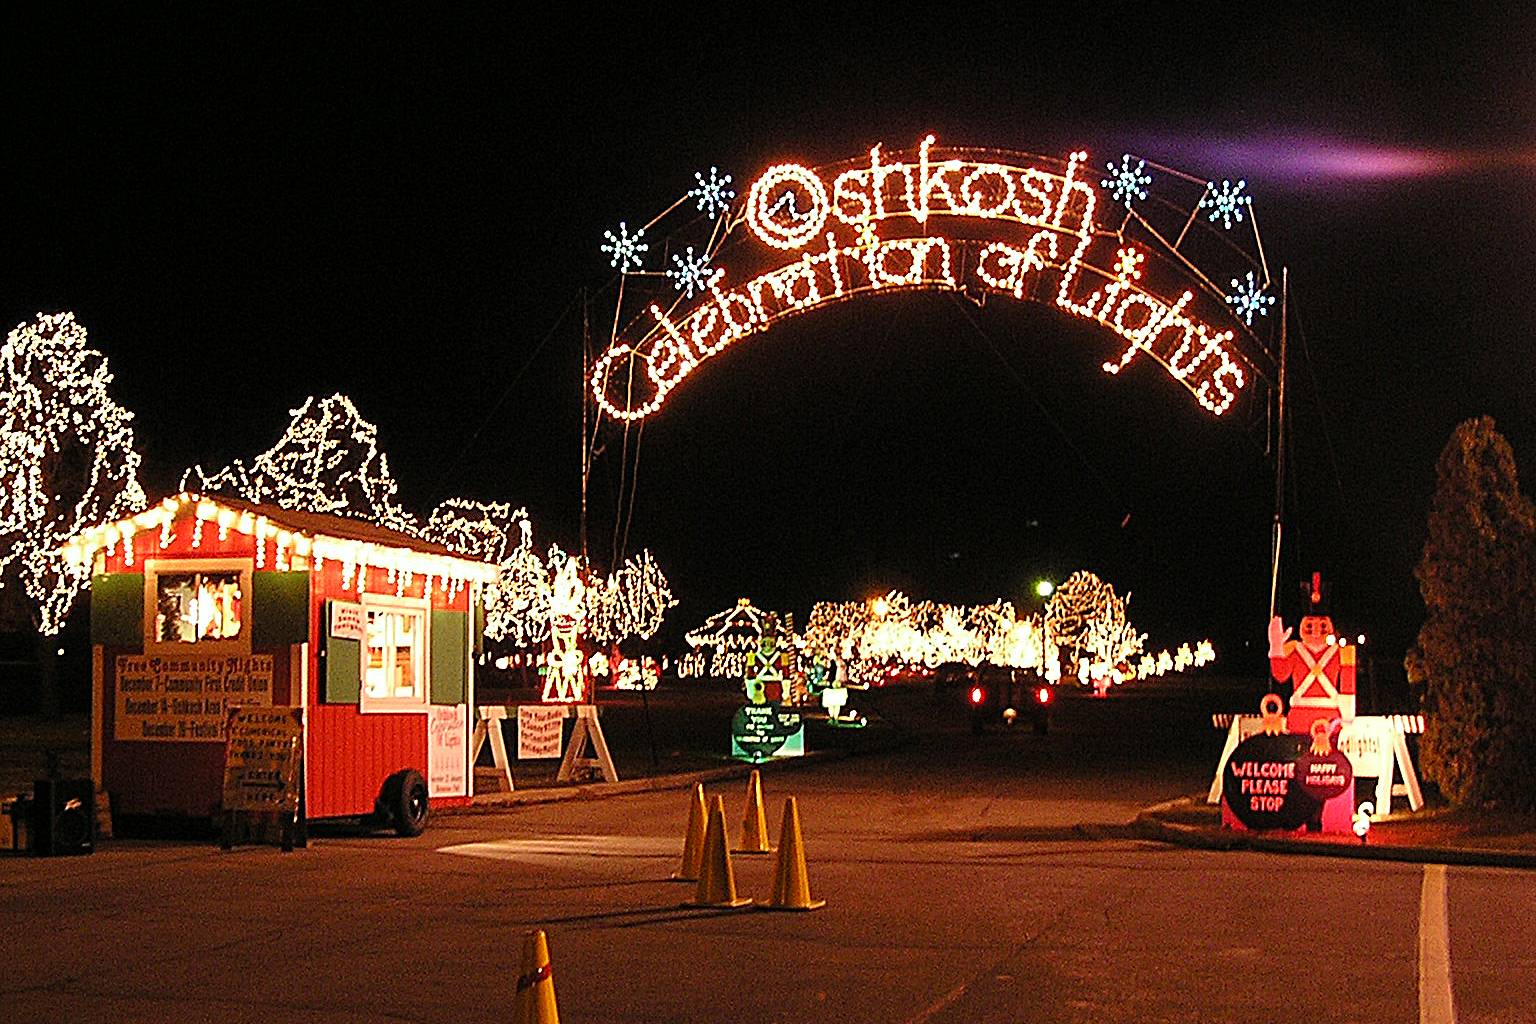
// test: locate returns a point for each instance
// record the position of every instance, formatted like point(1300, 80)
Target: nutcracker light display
point(1319, 665)
point(565, 666)
point(767, 666)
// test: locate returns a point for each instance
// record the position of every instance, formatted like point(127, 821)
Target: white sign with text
point(539, 731)
point(346, 620)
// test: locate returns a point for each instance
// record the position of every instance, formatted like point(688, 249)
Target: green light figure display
point(763, 727)
point(766, 666)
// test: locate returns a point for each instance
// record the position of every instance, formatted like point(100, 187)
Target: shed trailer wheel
point(405, 800)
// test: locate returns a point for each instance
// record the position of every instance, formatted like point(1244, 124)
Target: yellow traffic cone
point(791, 886)
point(535, 1003)
point(754, 825)
point(693, 842)
point(717, 881)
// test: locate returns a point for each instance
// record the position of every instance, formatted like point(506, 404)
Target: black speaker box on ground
point(63, 816)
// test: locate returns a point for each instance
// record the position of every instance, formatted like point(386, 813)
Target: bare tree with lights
point(327, 461)
point(67, 450)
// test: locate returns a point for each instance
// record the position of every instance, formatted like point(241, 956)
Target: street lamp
point(1044, 589)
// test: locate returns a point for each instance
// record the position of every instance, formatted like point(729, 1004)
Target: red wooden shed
point(202, 603)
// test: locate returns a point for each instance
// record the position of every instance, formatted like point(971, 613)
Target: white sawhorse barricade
point(1375, 745)
point(588, 731)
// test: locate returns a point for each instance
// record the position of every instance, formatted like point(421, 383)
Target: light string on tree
point(68, 456)
point(328, 461)
point(1086, 635)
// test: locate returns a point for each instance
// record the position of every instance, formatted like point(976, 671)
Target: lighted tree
point(631, 603)
point(1475, 659)
point(517, 602)
point(475, 528)
point(67, 451)
point(327, 461)
point(1087, 617)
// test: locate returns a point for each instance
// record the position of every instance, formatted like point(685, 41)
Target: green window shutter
point(448, 655)
point(117, 609)
point(343, 669)
point(279, 608)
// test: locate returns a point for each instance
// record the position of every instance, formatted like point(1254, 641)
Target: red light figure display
point(1319, 666)
point(1321, 670)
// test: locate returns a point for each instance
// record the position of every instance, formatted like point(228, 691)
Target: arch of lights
point(1100, 245)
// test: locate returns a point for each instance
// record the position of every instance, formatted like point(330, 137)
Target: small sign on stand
point(540, 731)
point(263, 760)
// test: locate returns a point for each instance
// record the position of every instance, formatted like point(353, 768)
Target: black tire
point(405, 798)
point(1042, 725)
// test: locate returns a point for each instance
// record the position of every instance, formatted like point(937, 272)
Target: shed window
point(191, 607)
point(394, 658)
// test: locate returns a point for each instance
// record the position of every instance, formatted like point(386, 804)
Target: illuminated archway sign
point(971, 221)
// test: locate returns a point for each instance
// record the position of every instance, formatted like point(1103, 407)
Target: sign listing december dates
point(186, 698)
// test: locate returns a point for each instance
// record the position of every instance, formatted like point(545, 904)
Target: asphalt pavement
point(995, 878)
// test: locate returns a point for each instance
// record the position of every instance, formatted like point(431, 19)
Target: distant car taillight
point(978, 695)
point(1045, 695)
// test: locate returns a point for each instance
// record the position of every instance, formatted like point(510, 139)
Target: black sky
point(249, 204)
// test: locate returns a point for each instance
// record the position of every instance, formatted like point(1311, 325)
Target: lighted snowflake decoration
point(1226, 203)
point(1248, 298)
point(691, 273)
point(624, 248)
point(713, 195)
point(1128, 264)
point(1125, 182)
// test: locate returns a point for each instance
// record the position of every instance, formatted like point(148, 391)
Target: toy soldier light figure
point(565, 666)
point(766, 665)
point(1319, 667)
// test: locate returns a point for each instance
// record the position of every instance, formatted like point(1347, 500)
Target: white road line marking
point(1436, 1005)
point(541, 848)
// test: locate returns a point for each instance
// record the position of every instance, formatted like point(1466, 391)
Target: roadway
point(990, 879)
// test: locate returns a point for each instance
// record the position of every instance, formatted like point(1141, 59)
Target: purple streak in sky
point(1301, 160)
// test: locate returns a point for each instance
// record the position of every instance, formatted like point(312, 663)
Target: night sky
point(250, 204)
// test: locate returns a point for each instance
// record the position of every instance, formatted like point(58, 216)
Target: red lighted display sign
point(1278, 781)
point(937, 219)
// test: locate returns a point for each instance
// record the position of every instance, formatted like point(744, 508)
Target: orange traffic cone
point(791, 886)
point(754, 825)
point(535, 1003)
point(717, 881)
point(693, 842)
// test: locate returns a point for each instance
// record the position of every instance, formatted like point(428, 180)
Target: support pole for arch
point(1279, 521)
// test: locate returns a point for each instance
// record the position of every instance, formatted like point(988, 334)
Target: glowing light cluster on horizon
point(1086, 636)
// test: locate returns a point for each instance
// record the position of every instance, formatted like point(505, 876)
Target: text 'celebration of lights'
point(970, 221)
